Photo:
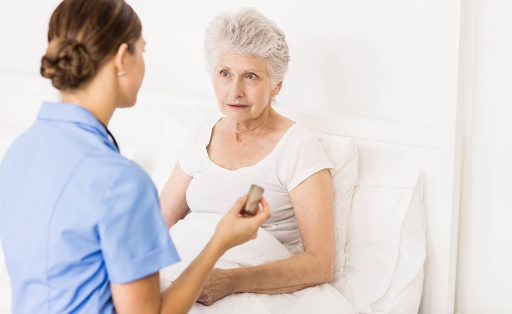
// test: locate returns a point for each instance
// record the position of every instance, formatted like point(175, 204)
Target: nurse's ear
point(120, 58)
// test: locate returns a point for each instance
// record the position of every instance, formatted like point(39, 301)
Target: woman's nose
point(238, 88)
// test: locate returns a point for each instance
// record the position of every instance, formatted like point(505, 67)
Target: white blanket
point(191, 234)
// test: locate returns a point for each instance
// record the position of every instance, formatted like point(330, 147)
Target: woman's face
point(134, 67)
point(242, 85)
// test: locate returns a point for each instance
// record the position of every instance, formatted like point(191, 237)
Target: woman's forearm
point(231, 230)
point(183, 292)
point(283, 276)
point(173, 203)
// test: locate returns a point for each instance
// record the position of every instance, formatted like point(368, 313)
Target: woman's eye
point(251, 76)
point(224, 73)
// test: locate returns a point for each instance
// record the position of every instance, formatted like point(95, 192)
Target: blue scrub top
point(75, 216)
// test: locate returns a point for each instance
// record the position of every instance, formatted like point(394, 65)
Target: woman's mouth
point(237, 106)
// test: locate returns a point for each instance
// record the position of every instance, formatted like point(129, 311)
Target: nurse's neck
point(101, 111)
point(97, 96)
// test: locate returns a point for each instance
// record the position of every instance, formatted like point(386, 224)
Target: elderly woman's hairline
point(235, 32)
point(221, 50)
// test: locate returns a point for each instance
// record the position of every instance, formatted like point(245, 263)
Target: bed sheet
point(321, 299)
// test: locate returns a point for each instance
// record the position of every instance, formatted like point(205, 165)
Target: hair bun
point(67, 63)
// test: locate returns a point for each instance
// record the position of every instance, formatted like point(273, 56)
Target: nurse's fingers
point(237, 207)
point(264, 212)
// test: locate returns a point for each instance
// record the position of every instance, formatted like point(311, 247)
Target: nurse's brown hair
point(82, 35)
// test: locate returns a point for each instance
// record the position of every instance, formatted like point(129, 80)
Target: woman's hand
point(234, 229)
point(217, 285)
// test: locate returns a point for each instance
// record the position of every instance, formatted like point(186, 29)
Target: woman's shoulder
point(298, 130)
point(302, 131)
point(298, 134)
point(205, 128)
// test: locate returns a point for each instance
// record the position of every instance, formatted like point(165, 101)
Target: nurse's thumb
point(237, 207)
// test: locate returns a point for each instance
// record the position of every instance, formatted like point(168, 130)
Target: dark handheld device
point(250, 207)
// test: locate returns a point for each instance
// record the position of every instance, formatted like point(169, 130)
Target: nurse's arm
point(173, 204)
point(143, 295)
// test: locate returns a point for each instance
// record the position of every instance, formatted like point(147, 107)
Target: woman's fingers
point(264, 212)
point(237, 207)
point(235, 228)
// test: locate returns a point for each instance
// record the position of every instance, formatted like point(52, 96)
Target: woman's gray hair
point(248, 32)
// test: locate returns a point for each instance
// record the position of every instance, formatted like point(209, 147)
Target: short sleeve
point(189, 154)
point(186, 160)
point(305, 158)
point(134, 239)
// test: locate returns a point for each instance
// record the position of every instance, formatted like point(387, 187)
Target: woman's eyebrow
point(244, 71)
point(252, 70)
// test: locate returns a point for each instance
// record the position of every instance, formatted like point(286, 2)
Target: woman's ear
point(277, 89)
point(119, 59)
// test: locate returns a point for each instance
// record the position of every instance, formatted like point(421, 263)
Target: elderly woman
point(247, 56)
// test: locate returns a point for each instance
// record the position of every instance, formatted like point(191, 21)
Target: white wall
point(484, 274)
point(384, 59)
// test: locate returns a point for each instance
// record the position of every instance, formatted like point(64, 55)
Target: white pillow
point(191, 234)
point(343, 154)
point(387, 246)
point(179, 126)
point(152, 135)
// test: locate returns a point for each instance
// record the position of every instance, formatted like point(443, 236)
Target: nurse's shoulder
point(114, 171)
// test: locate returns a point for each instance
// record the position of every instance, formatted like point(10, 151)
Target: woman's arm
point(173, 203)
point(143, 295)
point(313, 204)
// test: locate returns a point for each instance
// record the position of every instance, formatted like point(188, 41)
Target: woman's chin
point(236, 114)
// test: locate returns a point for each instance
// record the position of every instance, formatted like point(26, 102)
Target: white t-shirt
point(213, 188)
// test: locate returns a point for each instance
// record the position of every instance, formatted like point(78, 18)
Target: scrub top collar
point(67, 112)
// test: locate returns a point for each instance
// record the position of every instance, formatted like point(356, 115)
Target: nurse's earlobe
point(119, 59)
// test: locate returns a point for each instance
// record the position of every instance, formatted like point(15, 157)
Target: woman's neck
point(102, 112)
point(241, 131)
point(97, 97)
point(256, 125)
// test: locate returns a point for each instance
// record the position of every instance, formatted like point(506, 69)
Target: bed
point(401, 188)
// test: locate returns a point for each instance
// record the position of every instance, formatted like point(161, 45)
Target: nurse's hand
point(234, 229)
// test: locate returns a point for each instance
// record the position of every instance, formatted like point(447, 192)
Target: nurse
point(80, 225)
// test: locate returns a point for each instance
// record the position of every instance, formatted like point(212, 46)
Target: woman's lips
point(238, 106)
